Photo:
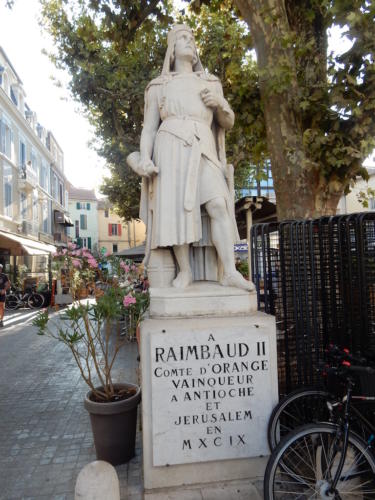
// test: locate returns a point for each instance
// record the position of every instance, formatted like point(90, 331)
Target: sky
point(23, 41)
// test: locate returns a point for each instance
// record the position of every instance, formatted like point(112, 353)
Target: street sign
point(241, 247)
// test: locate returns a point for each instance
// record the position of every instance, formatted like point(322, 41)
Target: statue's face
point(185, 46)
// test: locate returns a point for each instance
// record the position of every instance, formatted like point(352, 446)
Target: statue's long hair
point(169, 58)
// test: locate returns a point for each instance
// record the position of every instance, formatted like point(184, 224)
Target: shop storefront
point(25, 261)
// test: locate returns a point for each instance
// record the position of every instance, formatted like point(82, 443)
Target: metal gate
point(318, 278)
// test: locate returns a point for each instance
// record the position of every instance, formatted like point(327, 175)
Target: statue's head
point(181, 44)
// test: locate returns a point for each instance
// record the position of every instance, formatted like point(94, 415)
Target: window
point(114, 248)
point(13, 96)
point(83, 221)
point(6, 139)
point(76, 223)
point(86, 242)
point(372, 203)
point(114, 229)
point(22, 154)
point(35, 206)
point(23, 205)
point(61, 194)
point(7, 185)
point(45, 217)
point(106, 213)
point(54, 186)
point(83, 205)
point(33, 159)
point(43, 180)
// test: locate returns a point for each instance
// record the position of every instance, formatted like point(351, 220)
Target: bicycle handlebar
point(361, 369)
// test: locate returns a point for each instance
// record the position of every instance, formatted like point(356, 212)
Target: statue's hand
point(211, 100)
point(148, 168)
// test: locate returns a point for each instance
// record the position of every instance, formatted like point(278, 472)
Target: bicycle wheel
point(11, 301)
point(304, 464)
point(35, 301)
point(300, 407)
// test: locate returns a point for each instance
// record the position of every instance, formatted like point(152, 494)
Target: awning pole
point(50, 271)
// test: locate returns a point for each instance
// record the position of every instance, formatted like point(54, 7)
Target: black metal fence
point(318, 278)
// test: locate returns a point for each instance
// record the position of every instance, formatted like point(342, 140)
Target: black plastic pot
point(114, 426)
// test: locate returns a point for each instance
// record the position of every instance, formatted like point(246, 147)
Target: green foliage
point(110, 68)
point(243, 268)
point(224, 44)
point(41, 321)
point(86, 327)
point(328, 98)
point(364, 196)
point(336, 106)
point(112, 48)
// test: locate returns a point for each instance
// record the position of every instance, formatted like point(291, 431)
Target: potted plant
point(85, 328)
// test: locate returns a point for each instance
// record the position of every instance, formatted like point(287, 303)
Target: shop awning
point(19, 245)
point(68, 221)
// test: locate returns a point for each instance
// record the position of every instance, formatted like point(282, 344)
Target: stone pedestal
point(209, 385)
point(202, 298)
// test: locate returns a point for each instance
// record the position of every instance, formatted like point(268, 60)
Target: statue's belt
point(191, 137)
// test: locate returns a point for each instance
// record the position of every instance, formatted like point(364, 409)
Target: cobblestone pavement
point(45, 434)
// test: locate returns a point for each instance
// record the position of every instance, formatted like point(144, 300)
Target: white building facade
point(83, 210)
point(33, 196)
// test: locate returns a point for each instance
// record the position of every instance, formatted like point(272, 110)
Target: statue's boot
point(183, 279)
point(237, 280)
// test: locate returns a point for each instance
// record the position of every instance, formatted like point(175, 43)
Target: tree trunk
point(301, 191)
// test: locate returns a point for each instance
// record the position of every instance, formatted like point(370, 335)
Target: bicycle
point(17, 298)
point(328, 460)
point(307, 404)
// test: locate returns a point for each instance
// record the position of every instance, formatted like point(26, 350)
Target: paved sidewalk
point(45, 434)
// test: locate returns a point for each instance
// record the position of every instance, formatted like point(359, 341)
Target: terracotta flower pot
point(114, 426)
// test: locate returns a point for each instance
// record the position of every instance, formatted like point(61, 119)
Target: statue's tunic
point(186, 151)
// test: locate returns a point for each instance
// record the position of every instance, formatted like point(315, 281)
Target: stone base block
point(208, 388)
point(202, 298)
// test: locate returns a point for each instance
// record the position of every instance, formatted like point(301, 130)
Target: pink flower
point(134, 267)
point(76, 263)
point(107, 254)
point(92, 262)
point(124, 266)
point(72, 246)
point(128, 300)
point(64, 251)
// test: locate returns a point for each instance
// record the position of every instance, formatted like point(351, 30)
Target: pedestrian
point(4, 286)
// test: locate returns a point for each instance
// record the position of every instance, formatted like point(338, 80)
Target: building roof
point(2, 51)
point(104, 204)
point(262, 210)
point(81, 194)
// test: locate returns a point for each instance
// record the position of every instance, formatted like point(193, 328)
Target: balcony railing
point(30, 228)
point(27, 177)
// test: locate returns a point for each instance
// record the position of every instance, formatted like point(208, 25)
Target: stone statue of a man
point(183, 164)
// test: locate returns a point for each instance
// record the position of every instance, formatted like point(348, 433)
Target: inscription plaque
point(211, 395)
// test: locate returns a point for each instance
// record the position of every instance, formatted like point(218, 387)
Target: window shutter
point(79, 242)
point(118, 229)
point(78, 205)
point(88, 206)
point(109, 229)
point(82, 221)
point(89, 242)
